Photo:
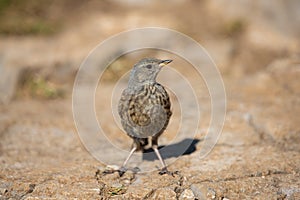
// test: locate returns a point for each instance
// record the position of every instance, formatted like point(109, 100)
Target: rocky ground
point(256, 157)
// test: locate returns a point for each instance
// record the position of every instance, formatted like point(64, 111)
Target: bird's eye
point(149, 66)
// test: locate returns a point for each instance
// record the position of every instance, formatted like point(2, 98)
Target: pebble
point(112, 167)
point(164, 193)
point(211, 194)
point(199, 191)
point(187, 194)
point(3, 191)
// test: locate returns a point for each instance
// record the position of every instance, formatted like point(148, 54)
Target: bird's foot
point(164, 170)
point(122, 171)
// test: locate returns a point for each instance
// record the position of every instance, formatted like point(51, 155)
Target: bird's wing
point(144, 112)
point(132, 108)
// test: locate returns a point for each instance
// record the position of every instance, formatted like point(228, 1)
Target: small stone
point(225, 198)
point(116, 185)
point(211, 194)
point(199, 191)
point(164, 193)
point(127, 182)
point(117, 189)
point(138, 192)
point(136, 170)
point(3, 191)
point(112, 167)
point(187, 194)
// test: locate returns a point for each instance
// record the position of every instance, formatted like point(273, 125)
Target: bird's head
point(146, 70)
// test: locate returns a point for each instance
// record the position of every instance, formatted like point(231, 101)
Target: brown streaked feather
point(135, 107)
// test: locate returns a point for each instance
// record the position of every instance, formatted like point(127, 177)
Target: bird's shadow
point(184, 147)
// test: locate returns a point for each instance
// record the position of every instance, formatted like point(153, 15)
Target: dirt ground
point(256, 47)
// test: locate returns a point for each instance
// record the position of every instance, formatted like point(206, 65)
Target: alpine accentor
point(145, 108)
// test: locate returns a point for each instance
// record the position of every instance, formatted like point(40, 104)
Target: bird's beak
point(164, 62)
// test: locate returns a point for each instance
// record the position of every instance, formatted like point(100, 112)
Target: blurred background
point(51, 38)
point(255, 44)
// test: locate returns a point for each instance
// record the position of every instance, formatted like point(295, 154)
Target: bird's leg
point(155, 148)
point(164, 169)
point(123, 169)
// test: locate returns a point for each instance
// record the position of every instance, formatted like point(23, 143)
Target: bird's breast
point(146, 109)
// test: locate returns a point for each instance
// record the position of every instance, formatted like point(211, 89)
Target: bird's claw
point(122, 171)
point(166, 171)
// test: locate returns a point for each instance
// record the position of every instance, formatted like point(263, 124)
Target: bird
point(145, 108)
